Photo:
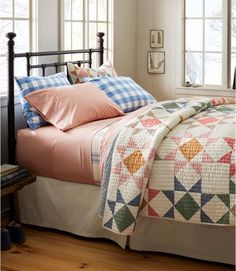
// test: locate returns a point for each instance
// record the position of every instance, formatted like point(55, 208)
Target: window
point(82, 19)
point(208, 54)
point(15, 15)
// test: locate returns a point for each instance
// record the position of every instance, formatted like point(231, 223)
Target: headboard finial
point(11, 35)
point(100, 42)
point(100, 34)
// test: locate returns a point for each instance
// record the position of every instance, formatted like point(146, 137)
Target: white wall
point(125, 33)
point(160, 15)
point(48, 25)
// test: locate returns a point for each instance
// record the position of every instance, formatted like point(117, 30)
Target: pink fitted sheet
point(66, 156)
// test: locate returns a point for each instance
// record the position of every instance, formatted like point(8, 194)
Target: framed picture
point(156, 38)
point(156, 62)
point(234, 82)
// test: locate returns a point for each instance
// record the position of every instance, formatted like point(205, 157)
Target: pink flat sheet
point(52, 153)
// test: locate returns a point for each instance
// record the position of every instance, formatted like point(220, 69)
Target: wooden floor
point(48, 250)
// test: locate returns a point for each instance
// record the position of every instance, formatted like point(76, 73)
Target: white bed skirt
point(74, 207)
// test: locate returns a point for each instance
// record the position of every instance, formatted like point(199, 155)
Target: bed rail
point(28, 55)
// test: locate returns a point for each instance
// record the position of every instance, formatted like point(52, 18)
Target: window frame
point(86, 22)
point(14, 18)
point(226, 45)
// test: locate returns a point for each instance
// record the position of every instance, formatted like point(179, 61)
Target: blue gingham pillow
point(127, 94)
point(31, 83)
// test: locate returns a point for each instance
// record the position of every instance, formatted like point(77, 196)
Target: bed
point(68, 198)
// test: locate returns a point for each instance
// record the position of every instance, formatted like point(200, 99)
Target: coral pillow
point(77, 74)
point(71, 106)
point(28, 84)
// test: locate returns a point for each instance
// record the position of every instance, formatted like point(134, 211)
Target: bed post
point(11, 104)
point(100, 42)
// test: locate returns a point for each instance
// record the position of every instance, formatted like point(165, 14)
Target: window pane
point(77, 36)
point(233, 66)
point(67, 9)
point(20, 66)
point(194, 8)
point(67, 57)
point(20, 69)
point(102, 27)
point(76, 57)
point(94, 60)
point(193, 68)
point(213, 69)
point(233, 8)
point(233, 35)
point(194, 34)
point(5, 27)
point(77, 9)
point(92, 35)
point(102, 10)
point(107, 55)
point(213, 34)
point(22, 38)
point(3, 75)
point(92, 10)
point(6, 8)
point(22, 8)
point(213, 8)
point(67, 36)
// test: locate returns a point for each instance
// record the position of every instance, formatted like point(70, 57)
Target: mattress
point(69, 156)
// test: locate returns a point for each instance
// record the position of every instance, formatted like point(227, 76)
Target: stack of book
point(11, 173)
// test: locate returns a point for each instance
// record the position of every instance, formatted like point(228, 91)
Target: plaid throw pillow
point(32, 83)
point(127, 94)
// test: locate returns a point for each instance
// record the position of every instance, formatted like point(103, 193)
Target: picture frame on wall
point(234, 81)
point(156, 62)
point(156, 38)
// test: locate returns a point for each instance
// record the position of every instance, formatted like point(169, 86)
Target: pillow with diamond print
point(79, 74)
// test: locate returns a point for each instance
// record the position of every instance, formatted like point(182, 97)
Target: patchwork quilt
point(175, 161)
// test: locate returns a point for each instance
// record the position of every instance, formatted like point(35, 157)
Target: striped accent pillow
point(32, 83)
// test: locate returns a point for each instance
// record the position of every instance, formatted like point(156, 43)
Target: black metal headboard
point(11, 57)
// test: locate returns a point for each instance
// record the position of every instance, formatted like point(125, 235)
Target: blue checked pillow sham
point(127, 94)
point(32, 83)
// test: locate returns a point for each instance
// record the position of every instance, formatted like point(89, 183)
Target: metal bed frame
point(28, 55)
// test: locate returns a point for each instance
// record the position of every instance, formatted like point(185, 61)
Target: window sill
point(4, 100)
point(201, 91)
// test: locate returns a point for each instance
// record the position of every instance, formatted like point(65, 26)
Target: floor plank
point(50, 250)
